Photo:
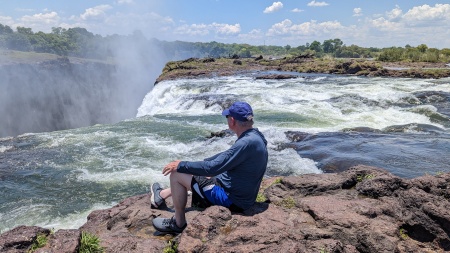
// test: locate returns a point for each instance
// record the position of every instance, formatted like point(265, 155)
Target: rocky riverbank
point(210, 67)
point(363, 209)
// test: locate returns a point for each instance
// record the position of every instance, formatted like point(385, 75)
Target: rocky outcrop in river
point(208, 68)
point(363, 209)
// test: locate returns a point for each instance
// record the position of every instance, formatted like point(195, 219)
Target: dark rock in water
point(412, 127)
point(237, 62)
point(222, 133)
point(363, 209)
point(361, 130)
point(404, 150)
point(260, 57)
point(427, 97)
point(297, 136)
point(276, 76)
point(355, 100)
point(209, 60)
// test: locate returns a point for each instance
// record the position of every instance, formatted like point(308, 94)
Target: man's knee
point(174, 176)
point(181, 178)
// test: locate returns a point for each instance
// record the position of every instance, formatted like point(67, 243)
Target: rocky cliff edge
point(363, 209)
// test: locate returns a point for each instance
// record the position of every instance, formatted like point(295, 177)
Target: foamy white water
point(305, 103)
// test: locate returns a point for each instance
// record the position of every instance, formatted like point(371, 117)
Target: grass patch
point(277, 181)
point(323, 250)
point(90, 244)
point(39, 242)
point(403, 234)
point(260, 198)
point(288, 202)
point(172, 247)
point(361, 178)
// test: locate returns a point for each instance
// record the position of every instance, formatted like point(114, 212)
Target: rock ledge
point(363, 209)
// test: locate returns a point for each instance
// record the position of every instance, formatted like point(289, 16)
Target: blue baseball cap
point(241, 111)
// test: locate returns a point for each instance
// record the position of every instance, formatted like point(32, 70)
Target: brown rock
point(63, 241)
point(20, 238)
point(362, 209)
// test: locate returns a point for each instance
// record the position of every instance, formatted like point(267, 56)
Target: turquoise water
point(56, 179)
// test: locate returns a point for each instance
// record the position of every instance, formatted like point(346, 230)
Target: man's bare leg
point(180, 184)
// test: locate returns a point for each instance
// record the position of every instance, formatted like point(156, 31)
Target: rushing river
point(314, 124)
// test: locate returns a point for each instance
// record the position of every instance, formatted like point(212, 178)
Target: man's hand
point(170, 167)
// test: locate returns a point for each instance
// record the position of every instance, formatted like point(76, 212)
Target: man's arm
point(220, 163)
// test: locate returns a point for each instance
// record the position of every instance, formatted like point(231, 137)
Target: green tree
point(316, 46)
point(5, 30)
point(332, 46)
point(24, 30)
point(287, 47)
point(391, 54)
point(422, 48)
point(245, 53)
point(18, 41)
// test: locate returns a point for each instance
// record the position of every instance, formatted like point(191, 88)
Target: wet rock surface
point(363, 209)
point(400, 149)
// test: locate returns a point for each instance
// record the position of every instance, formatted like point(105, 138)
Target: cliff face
point(54, 95)
point(363, 209)
point(63, 93)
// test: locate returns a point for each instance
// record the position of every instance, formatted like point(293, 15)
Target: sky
point(381, 23)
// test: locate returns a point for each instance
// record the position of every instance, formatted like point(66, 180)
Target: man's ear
point(233, 121)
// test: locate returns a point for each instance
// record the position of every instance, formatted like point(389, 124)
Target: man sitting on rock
point(231, 178)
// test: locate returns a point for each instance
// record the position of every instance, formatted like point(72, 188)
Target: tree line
point(82, 43)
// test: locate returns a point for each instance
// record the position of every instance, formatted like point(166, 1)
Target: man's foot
point(167, 225)
point(156, 199)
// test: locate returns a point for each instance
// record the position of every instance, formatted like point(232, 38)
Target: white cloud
point(286, 27)
point(297, 10)
point(205, 29)
point(276, 6)
point(193, 30)
point(40, 22)
point(45, 18)
point(357, 12)
point(280, 28)
point(385, 25)
point(120, 2)
point(420, 17)
point(226, 28)
point(313, 3)
point(255, 35)
point(97, 12)
point(395, 14)
point(429, 13)
point(6, 20)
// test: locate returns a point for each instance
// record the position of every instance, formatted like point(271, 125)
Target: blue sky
point(381, 23)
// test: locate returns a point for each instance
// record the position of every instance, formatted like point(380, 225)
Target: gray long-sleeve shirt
point(239, 169)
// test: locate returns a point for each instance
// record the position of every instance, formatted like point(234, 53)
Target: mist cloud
point(70, 93)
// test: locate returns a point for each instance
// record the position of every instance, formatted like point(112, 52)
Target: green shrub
point(260, 198)
point(39, 242)
point(90, 244)
point(361, 178)
point(403, 234)
point(172, 247)
point(288, 202)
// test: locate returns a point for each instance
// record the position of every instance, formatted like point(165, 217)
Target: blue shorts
point(207, 192)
